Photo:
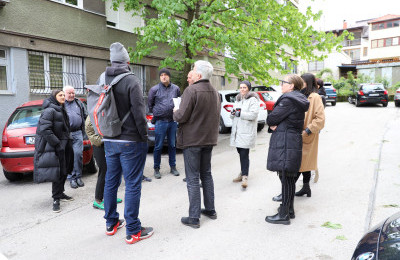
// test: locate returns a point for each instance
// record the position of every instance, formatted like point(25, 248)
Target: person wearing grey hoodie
point(126, 153)
point(244, 127)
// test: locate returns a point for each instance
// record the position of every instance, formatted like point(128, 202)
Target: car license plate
point(30, 140)
point(373, 95)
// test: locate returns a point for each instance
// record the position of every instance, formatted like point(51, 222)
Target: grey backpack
point(102, 107)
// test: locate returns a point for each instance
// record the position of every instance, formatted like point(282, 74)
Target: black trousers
point(288, 188)
point(57, 187)
point(100, 157)
point(65, 158)
point(306, 176)
point(244, 160)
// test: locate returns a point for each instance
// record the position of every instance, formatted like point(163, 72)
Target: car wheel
point(385, 104)
point(357, 103)
point(13, 176)
point(333, 103)
point(350, 100)
point(222, 128)
point(91, 167)
point(260, 127)
point(397, 104)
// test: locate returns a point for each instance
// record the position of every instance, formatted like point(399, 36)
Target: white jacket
point(244, 128)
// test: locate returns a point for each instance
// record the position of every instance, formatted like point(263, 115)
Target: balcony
point(354, 42)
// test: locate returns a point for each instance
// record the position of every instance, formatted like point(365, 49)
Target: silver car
point(397, 98)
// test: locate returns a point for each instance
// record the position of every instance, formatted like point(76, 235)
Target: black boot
point(281, 218)
point(305, 190)
point(277, 197)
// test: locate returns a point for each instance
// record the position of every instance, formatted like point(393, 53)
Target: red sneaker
point(144, 233)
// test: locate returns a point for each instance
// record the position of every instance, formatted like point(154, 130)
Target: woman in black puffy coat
point(285, 147)
point(53, 158)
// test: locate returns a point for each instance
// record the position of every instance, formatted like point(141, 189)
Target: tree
point(322, 73)
point(256, 34)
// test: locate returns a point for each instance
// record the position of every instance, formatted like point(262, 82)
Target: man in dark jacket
point(198, 117)
point(126, 153)
point(161, 105)
point(77, 115)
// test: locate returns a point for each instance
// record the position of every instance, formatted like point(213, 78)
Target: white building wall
point(383, 52)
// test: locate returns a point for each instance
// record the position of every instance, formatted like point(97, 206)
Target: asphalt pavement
point(359, 185)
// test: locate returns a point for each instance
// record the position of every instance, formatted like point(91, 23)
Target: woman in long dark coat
point(53, 149)
point(285, 148)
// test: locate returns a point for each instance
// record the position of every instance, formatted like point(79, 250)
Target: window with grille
point(315, 65)
point(48, 71)
point(139, 72)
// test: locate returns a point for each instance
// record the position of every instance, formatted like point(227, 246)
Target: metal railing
point(354, 42)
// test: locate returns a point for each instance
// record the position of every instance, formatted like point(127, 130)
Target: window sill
point(6, 93)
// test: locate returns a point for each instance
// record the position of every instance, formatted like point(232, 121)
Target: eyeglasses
point(283, 81)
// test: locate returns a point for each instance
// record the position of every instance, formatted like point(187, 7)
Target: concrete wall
point(19, 84)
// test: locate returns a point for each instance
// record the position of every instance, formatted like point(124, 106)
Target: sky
point(335, 11)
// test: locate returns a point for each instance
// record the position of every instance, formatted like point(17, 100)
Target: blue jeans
point(198, 166)
point(77, 146)
point(127, 158)
point(169, 129)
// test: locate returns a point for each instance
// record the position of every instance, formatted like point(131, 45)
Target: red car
point(18, 142)
point(269, 98)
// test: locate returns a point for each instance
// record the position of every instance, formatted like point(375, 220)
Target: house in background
point(374, 51)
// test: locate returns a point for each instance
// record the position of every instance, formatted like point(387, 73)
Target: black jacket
point(128, 94)
point(285, 146)
point(53, 148)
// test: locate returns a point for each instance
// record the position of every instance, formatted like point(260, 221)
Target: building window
point(365, 52)
point(222, 81)
point(121, 19)
point(77, 3)
point(4, 70)
point(315, 65)
point(385, 42)
point(139, 72)
point(385, 25)
point(48, 71)
point(354, 53)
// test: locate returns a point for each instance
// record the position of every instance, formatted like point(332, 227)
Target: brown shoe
point(244, 182)
point(238, 178)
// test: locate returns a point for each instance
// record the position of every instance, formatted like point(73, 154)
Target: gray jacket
point(244, 128)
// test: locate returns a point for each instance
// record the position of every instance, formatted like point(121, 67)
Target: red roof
point(385, 18)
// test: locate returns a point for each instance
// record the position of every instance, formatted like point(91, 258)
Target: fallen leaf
point(341, 237)
point(329, 224)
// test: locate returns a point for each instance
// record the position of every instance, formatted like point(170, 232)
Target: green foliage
point(258, 34)
point(321, 74)
point(329, 224)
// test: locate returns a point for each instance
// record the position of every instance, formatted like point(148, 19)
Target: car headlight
point(366, 256)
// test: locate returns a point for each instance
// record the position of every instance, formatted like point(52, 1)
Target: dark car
point(381, 241)
point(370, 93)
point(331, 94)
point(18, 142)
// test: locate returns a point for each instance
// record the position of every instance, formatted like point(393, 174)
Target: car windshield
point(372, 87)
point(24, 117)
point(231, 98)
point(266, 96)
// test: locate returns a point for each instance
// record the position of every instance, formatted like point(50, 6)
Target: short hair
point(204, 68)
point(68, 87)
point(311, 83)
point(55, 92)
point(297, 81)
point(320, 83)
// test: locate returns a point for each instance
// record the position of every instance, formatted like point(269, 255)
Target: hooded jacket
point(285, 147)
point(244, 128)
point(129, 97)
point(53, 150)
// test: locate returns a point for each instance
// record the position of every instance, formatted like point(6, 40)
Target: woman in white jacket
point(244, 127)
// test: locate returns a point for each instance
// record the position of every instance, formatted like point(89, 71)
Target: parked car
point(228, 98)
point(330, 93)
point(267, 88)
point(269, 98)
point(397, 98)
point(370, 93)
point(381, 241)
point(18, 142)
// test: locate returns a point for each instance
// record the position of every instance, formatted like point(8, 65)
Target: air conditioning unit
point(3, 2)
